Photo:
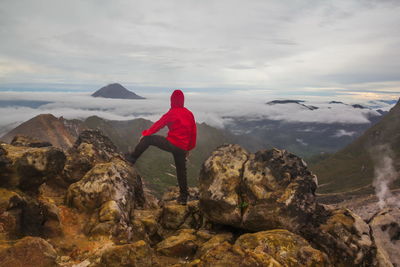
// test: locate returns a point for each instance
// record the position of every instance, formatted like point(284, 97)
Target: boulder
point(283, 246)
point(386, 233)
point(146, 225)
point(11, 205)
point(135, 254)
point(27, 141)
point(90, 148)
point(28, 167)
point(213, 242)
point(267, 190)
point(115, 180)
point(176, 216)
point(265, 248)
point(219, 185)
point(345, 237)
point(273, 189)
point(28, 251)
point(183, 244)
point(23, 215)
point(4, 161)
point(109, 191)
point(226, 254)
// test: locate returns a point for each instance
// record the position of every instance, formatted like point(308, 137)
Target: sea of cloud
point(216, 109)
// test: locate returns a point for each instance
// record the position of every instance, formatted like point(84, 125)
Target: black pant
point(178, 153)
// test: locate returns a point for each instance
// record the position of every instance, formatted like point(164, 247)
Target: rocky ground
point(367, 206)
point(88, 207)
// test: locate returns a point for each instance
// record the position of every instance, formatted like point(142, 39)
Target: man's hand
point(140, 138)
point(187, 155)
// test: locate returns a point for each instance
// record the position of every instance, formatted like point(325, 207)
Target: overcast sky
point(255, 45)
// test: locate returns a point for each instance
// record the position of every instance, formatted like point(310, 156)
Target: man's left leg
point(145, 142)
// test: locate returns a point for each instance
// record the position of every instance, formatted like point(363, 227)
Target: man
point(180, 140)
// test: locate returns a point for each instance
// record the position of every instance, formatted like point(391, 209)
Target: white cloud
point(214, 109)
point(342, 132)
point(230, 44)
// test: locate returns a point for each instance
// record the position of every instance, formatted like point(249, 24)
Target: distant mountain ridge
point(306, 138)
point(116, 90)
point(353, 166)
point(156, 167)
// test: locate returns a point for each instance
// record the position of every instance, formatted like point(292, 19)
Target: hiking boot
point(182, 199)
point(128, 157)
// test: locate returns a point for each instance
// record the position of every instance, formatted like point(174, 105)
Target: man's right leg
point(151, 140)
point(180, 164)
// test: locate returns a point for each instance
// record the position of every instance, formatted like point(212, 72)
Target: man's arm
point(193, 136)
point(157, 125)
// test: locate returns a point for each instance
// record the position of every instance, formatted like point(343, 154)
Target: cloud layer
point(344, 44)
point(214, 109)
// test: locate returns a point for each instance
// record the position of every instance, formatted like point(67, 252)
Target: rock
point(21, 140)
point(273, 189)
point(102, 145)
point(279, 190)
point(345, 237)
point(90, 148)
point(136, 254)
point(109, 191)
point(213, 242)
point(115, 180)
point(386, 233)
point(11, 204)
point(183, 244)
point(9, 200)
point(285, 247)
point(33, 217)
point(175, 216)
point(29, 251)
point(173, 193)
point(27, 167)
point(4, 161)
point(146, 225)
point(267, 190)
point(22, 215)
point(110, 211)
point(226, 254)
point(266, 248)
point(219, 184)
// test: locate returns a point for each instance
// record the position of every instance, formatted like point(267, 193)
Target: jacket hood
point(177, 99)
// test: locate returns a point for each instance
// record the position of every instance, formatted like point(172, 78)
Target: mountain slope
point(115, 90)
point(353, 166)
point(58, 131)
point(156, 167)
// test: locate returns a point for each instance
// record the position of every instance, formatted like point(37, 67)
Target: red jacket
point(180, 122)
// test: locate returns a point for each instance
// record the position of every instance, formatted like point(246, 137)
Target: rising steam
point(384, 175)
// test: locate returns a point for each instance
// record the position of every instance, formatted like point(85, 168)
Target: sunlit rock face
point(109, 191)
point(267, 190)
point(273, 189)
point(265, 248)
point(90, 148)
